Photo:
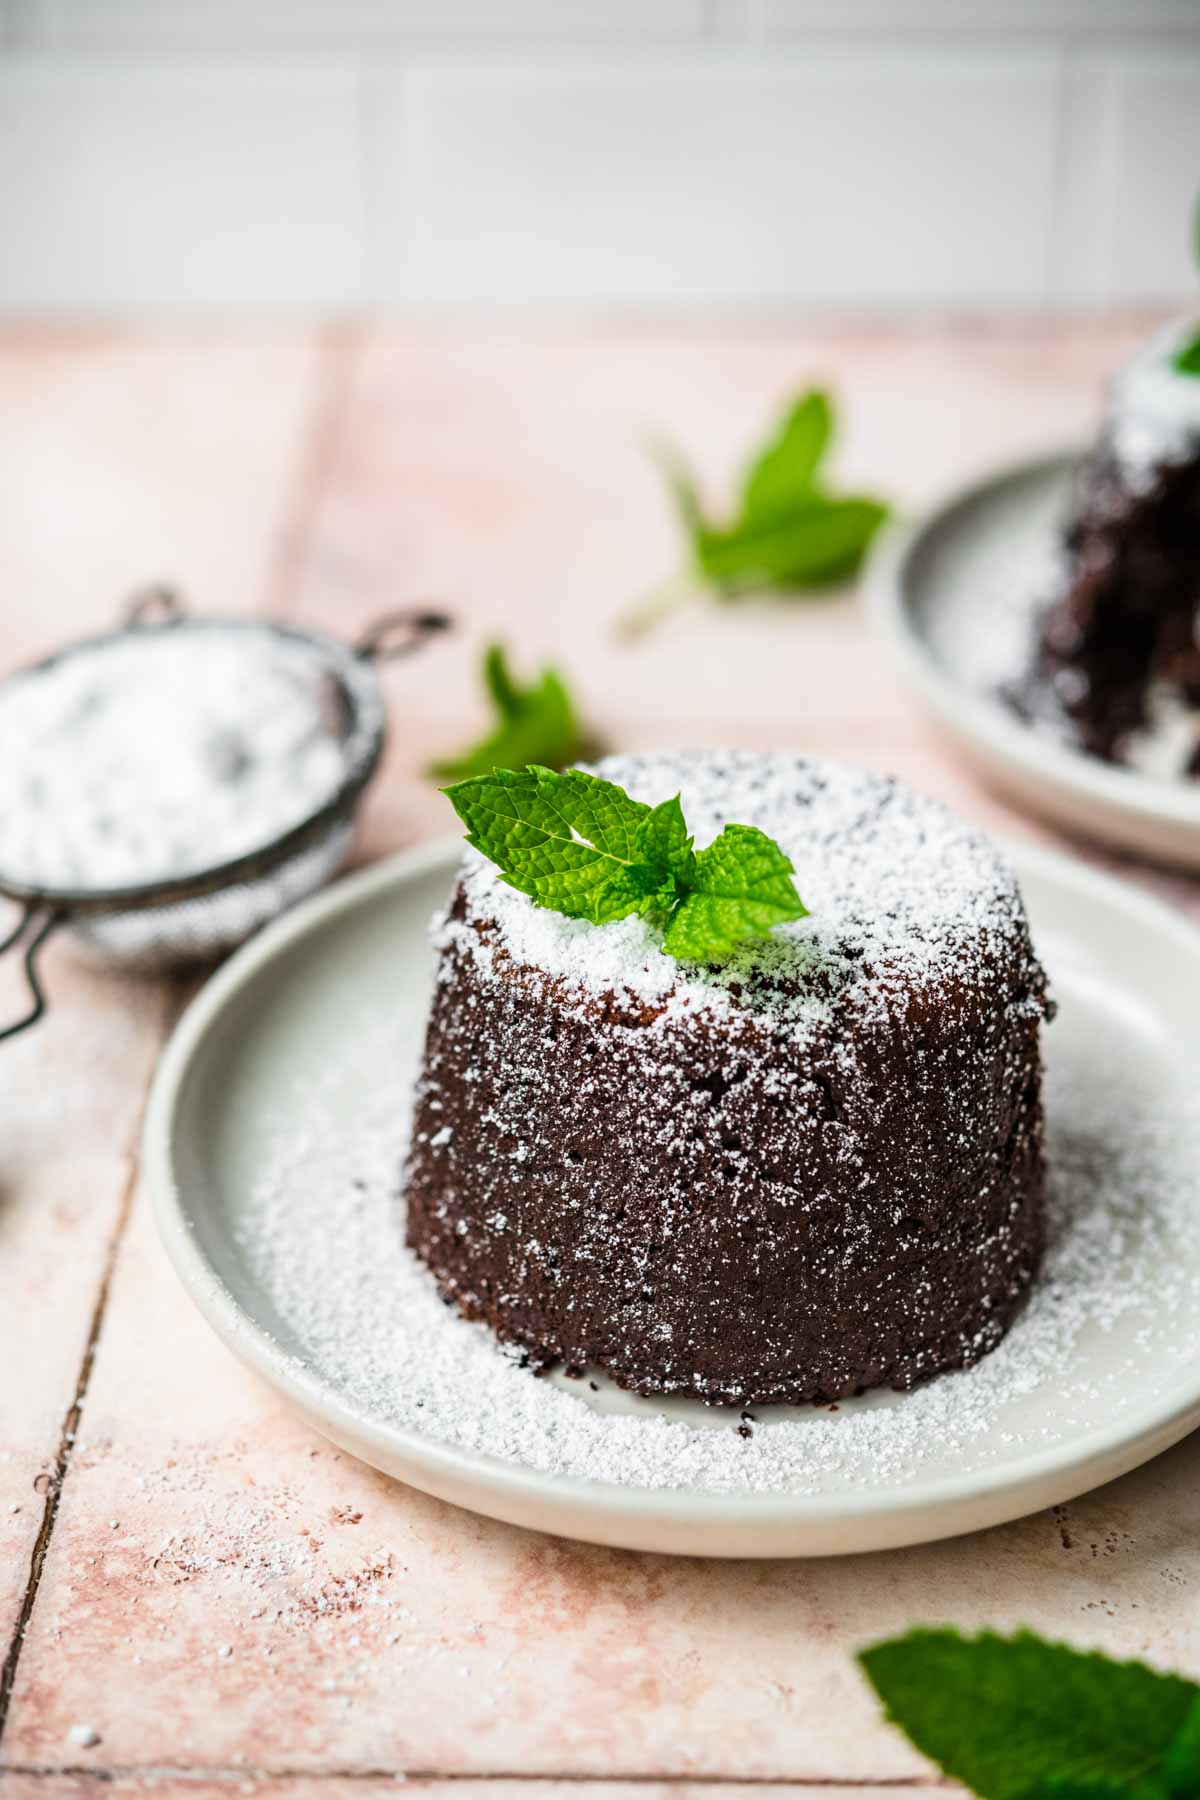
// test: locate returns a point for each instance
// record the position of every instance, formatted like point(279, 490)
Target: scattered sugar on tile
point(323, 1235)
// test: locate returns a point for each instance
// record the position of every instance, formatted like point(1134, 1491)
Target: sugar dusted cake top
point(901, 895)
point(1153, 411)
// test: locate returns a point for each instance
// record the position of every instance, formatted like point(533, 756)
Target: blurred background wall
point(848, 154)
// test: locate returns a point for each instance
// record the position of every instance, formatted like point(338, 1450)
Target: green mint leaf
point(534, 724)
point(1007, 1715)
point(782, 474)
point(789, 532)
point(1180, 1774)
point(580, 846)
point(681, 485)
point(740, 888)
point(572, 842)
point(1054, 1788)
point(507, 697)
point(820, 542)
point(665, 841)
point(1187, 360)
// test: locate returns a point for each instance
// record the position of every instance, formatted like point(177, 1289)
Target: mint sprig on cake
point(579, 845)
point(1186, 359)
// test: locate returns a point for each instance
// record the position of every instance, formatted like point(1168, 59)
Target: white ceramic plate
point(288, 1010)
point(956, 597)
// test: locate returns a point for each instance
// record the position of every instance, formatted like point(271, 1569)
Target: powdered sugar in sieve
point(168, 787)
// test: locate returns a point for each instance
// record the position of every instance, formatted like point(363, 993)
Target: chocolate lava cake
point(812, 1170)
point(1116, 666)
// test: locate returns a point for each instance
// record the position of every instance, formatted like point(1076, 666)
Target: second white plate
point(273, 1147)
point(956, 596)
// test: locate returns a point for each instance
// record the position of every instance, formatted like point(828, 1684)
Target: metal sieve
point(175, 920)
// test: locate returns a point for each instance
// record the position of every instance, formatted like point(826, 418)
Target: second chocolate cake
point(813, 1170)
point(1116, 665)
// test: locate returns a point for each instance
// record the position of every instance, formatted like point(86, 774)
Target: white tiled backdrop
point(838, 153)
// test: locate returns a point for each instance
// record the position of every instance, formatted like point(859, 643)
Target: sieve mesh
point(166, 923)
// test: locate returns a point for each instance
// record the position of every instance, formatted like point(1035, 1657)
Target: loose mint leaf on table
point(1187, 360)
point(534, 724)
point(579, 845)
point(818, 542)
point(790, 531)
point(783, 473)
point(1019, 1717)
point(1181, 1769)
point(1068, 1789)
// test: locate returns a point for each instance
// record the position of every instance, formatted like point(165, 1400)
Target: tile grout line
point(339, 348)
point(66, 1442)
point(74, 1412)
point(143, 1772)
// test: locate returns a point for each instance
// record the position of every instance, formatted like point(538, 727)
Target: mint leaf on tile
point(783, 473)
point(790, 532)
point(1011, 1717)
point(1187, 360)
point(818, 542)
point(1181, 1767)
point(534, 724)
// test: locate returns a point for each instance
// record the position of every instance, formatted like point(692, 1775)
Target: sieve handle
point(399, 633)
point(33, 928)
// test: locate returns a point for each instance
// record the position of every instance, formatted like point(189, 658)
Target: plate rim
point(975, 716)
point(510, 1490)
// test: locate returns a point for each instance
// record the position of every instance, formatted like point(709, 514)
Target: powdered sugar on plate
point(322, 1238)
point(984, 570)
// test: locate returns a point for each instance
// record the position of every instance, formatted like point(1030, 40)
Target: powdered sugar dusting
point(986, 575)
point(1153, 411)
point(1105, 1328)
point(898, 889)
point(158, 752)
point(985, 570)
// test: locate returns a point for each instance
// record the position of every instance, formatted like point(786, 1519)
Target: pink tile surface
point(130, 459)
point(225, 1594)
point(119, 460)
point(168, 1786)
point(507, 477)
point(69, 1108)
